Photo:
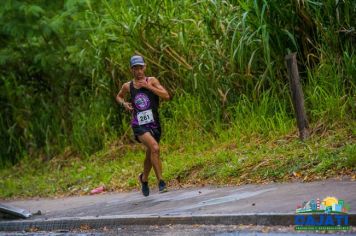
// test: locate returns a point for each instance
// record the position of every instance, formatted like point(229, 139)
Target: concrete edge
point(71, 223)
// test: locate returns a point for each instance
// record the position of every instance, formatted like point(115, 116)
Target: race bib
point(145, 117)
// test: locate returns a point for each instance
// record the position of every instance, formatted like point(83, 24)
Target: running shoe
point(144, 186)
point(162, 186)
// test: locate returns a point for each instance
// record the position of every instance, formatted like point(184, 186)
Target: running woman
point(143, 104)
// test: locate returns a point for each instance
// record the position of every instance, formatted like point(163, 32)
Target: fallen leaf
point(296, 174)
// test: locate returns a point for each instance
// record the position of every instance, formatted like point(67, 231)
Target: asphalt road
point(269, 198)
point(270, 204)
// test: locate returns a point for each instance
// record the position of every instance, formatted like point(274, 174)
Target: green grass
point(209, 160)
point(74, 59)
point(251, 142)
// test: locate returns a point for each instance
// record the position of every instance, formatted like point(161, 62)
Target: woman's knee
point(154, 148)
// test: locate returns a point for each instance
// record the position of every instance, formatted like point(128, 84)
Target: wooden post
point(297, 95)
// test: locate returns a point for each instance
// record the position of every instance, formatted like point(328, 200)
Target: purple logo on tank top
point(141, 101)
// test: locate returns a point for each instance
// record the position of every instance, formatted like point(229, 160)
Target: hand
point(127, 106)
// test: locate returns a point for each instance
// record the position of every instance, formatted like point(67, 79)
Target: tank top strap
point(132, 89)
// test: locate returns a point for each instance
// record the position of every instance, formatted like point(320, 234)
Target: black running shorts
point(140, 130)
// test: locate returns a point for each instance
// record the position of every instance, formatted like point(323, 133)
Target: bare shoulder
point(152, 79)
point(126, 86)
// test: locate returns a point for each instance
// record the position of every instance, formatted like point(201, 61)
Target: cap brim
point(138, 64)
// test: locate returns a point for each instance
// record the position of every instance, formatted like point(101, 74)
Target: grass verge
point(226, 160)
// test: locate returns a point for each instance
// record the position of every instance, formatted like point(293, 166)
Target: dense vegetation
point(63, 62)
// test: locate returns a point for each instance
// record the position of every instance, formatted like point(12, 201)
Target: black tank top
point(143, 101)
